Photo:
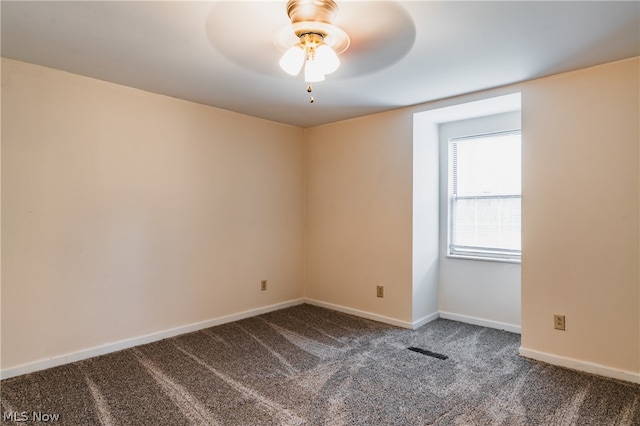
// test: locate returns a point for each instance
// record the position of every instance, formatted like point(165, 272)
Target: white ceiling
point(402, 53)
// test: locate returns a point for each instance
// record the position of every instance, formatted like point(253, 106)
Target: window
point(485, 196)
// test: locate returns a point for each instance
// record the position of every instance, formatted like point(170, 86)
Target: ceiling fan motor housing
point(312, 11)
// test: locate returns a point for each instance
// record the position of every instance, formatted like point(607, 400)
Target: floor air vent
point(426, 352)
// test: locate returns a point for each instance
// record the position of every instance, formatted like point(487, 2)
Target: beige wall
point(359, 214)
point(126, 213)
point(580, 216)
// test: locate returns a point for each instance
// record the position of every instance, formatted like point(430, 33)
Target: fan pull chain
point(309, 90)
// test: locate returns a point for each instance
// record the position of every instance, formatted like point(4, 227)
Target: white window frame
point(477, 253)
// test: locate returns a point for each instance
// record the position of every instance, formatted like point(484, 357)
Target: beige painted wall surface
point(359, 214)
point(580, 238)
point(126, 213)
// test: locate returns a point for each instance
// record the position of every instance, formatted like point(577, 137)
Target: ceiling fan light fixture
point(313, 72)
point(293, 60)
point(327, 59)
point(317, 57)
point(311, 41)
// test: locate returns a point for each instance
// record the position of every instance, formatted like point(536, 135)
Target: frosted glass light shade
point(312, 72)
point(327, 59)
point(293, 60)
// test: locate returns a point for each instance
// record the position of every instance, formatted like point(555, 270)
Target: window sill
point(484, 259)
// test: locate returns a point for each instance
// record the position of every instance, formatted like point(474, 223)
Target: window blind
point(485, 195)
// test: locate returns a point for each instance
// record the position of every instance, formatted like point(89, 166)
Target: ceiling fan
point(319, 41)
point(367, 35)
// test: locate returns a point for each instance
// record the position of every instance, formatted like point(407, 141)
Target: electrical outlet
point(380, 291)
point(263, 285)
point(558, 322)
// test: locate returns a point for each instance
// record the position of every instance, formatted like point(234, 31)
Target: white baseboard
point(482, 322)
point(375, 317)
point(584, 366)
point(359, 313)
point(426, 319)
point(141, 340)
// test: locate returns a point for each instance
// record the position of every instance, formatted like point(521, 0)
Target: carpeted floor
point(310, 366)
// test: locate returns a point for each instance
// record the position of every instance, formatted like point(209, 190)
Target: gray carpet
point(310, 366)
